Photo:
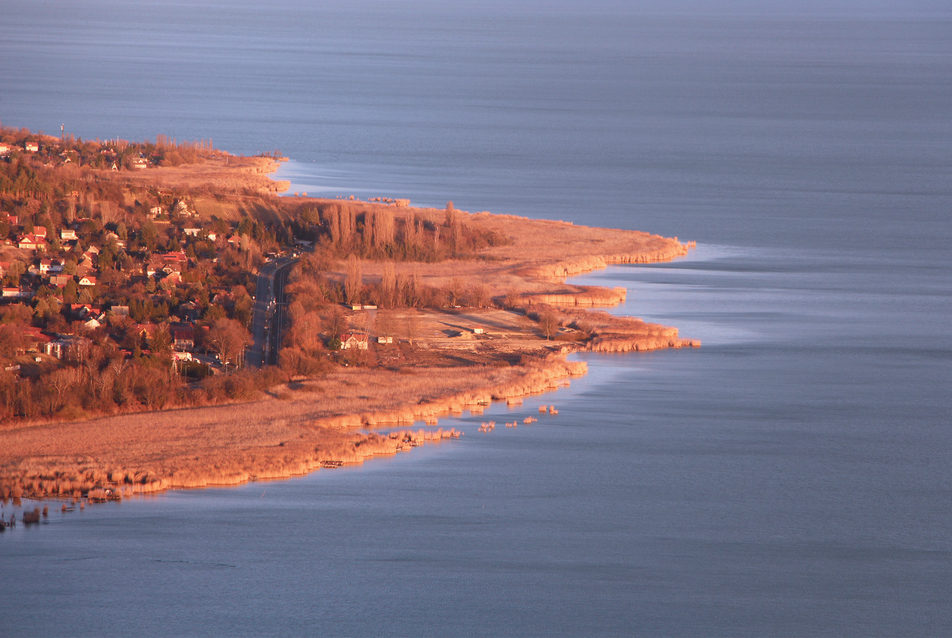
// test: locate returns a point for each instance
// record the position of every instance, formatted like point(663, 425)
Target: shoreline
point(310, 423)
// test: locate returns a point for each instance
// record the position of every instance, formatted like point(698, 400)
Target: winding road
point(269, 312)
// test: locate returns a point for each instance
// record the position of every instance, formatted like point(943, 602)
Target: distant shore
point(314, 423)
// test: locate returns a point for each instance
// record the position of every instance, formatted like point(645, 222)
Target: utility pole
point(62, 132)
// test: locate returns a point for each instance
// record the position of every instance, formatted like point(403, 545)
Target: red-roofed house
point(31, 242)
point(183, 336)
point(353, 341)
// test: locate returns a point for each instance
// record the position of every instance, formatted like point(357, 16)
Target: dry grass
point(269, 438)
point(221, 173)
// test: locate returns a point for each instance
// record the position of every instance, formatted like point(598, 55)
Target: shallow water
point(790, 477)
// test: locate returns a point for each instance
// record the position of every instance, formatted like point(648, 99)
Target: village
point(98, 275)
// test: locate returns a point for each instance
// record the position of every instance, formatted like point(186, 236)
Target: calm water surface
point(791, 477)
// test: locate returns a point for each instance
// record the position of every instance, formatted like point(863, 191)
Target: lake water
point(791, 477)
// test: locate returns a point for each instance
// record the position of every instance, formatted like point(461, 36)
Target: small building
point(353, 341)
point(477, 331)
point(31, 147)
point(181, 209)
point(189, 311)
point(16, 292)
point(183, 336)
point(382, 339)
point(50, 266)
point(174, 257)
point(31, 242)
point(139, 163)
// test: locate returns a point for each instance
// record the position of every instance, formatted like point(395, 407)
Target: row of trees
point(346, 229)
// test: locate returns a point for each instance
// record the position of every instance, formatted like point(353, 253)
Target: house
point(88, 280)
point(155, 211)
point(92, 324)
point(174, 257)
point(16, 292)
point(31, 147)
point(139, 163)
point(145, 330)
point(190, 311)
point(31, 242)
point(60, 281)
point(68, 234)
point(39, 231)
point(382, 339)
point(181, 208)
point(4, 149)
point(192, 232)
point(50, 266)
point(183, 336)
point(353, 341)
point(84, 310)
point(120, 311)
point(477, 331)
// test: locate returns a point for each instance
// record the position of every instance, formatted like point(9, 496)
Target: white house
point(350, 341)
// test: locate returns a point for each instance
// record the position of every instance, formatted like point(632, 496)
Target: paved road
point(269, 312)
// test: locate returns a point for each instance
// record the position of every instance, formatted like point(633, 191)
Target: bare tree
point(229, 339)
point(353, 281)
point(480, 295)
point(388, 286)
point(548, 323)
point(411, 326)
point(336, 323)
